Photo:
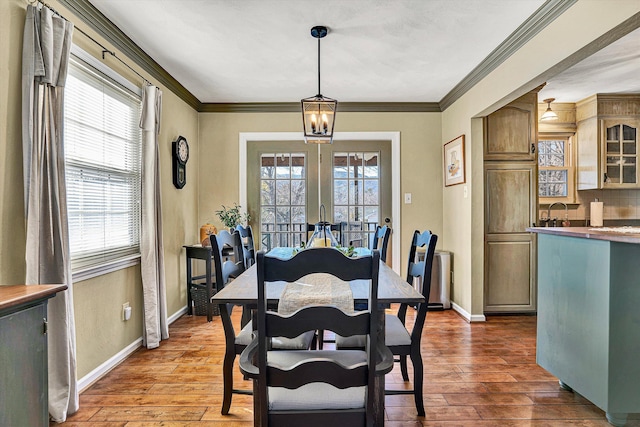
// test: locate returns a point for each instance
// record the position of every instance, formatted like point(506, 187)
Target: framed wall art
point(454, 167)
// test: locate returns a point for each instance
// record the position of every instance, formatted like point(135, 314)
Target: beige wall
point(524, 70)
point(98, 302)
point(420, 156)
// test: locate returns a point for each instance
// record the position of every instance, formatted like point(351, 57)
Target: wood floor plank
point(475, 375)
point(149, 413)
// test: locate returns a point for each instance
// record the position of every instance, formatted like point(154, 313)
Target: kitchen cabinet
point(511, 132)
point(23, 354)
point(607, 135)
point(511, 205)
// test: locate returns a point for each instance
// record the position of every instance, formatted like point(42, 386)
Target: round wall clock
point(180, 157)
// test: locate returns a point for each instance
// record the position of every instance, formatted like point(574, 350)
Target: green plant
point(232, 216)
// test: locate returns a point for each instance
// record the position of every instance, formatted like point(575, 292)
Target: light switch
point(407, 198)
point(465, 192)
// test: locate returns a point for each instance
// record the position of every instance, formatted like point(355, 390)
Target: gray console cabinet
point(23, 354)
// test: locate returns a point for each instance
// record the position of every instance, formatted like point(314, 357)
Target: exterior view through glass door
point(285, 190)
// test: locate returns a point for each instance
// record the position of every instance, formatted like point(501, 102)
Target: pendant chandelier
point(318, 112)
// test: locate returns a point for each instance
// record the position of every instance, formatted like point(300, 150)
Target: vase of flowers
point(232, 216)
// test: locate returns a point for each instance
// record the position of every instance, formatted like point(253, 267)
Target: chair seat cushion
point(315, 396)
point(301, 342)
point(395, 334)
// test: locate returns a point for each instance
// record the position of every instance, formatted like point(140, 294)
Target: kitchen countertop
point(612, 234)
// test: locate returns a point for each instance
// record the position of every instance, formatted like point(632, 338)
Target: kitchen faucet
point(565, 223)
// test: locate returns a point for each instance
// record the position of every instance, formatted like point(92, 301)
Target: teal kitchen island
point(589, 314)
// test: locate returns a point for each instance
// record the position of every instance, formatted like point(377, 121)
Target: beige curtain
point(151, 246)
point(45, 57)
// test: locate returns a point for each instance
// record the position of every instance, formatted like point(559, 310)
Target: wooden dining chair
point(378, 240)
point(246, 235)
point(400, 341)
point(317, 387)
point(235, 344)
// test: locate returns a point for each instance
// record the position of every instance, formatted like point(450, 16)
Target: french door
point(287, 182)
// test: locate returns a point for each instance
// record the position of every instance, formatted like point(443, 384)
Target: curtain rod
point(104, 49)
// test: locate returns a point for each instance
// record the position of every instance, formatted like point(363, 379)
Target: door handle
point(387, 220)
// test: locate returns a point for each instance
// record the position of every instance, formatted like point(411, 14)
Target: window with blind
point(103, 170)
point(555, 169)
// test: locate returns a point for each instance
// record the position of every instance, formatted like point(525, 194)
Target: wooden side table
point(202, 253)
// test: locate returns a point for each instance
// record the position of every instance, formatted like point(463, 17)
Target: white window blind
point(103, 168)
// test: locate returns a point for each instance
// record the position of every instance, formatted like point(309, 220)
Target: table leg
point(189, 279)
point(378, 405)
point(209, 289)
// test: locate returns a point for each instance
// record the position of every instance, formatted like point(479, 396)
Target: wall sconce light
point(318, 112)
point(549, 115)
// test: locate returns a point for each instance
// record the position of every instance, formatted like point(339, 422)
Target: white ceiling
point(614, 69)
point(228, 51)
point(262, 50)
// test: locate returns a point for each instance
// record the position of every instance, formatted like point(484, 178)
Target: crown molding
point(542, 17)
point(343, 107)
point(91, 16)
point(103, 26)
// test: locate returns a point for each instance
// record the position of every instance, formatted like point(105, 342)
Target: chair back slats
point(316, 367)
point(226, 268)
point(319, 370)
point(318, 260)
point(422, 270)
point(248, 248)
point(317, 317)
point(380, 241)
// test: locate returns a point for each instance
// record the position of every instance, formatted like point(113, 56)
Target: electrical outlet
point(126, 309)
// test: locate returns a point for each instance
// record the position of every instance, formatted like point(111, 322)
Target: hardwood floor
point(481, 374)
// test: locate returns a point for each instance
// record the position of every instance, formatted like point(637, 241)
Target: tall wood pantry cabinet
point(23, 354)
point(607, 134)
point(511, 205)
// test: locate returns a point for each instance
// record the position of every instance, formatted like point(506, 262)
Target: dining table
point(392, 288)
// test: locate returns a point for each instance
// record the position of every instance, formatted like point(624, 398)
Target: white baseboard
point(114, 361)
point(177, 315)
point(466, 315)
point(119, 357)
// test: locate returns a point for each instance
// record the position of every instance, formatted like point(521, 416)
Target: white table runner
point(316, 289)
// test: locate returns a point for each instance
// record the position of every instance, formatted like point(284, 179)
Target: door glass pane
point(283, 199)
point(283, 192)
point(355, 192)
point(371, 193)
point(298, 192)
point(371, 165)
point(356, 199)
point(340, 192)
point(340, 165)
point(267, 168)
point(297, 166)
point(267, 192)
point(283, 166)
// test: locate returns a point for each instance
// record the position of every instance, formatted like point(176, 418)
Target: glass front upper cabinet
point(621, 153)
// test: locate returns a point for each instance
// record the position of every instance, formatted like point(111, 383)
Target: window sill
point(102, 269)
